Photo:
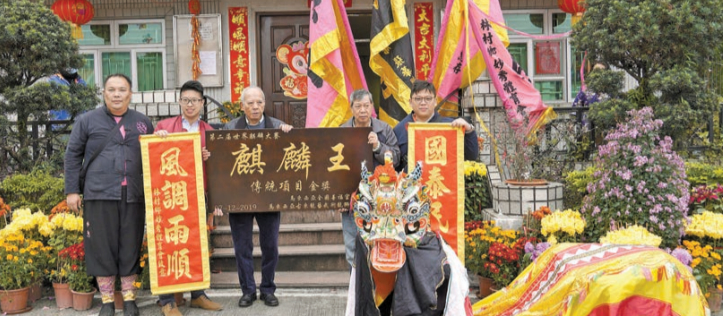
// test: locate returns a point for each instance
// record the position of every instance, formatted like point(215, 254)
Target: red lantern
point(77, 12)
point(574, 7)
point(194, 6)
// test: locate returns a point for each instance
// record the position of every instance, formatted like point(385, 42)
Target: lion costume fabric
point(599, 280)
point(401, 267)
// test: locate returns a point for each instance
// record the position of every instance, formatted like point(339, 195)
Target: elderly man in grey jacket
point(381, 138)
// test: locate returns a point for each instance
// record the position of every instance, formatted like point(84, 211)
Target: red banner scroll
point(175, 213)
point(423, 37)
point(238, 31)
point(441, 149)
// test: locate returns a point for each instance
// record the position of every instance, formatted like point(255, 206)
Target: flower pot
point(526, 183)
point(63, 297)
point(714, 299)
point(485, 287)
point(36, 292)
point(82, 301)
point(118, 300)
point(14, 301)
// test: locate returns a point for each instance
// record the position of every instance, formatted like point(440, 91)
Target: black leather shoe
point(270, 299)
point(108, 309)
point(247, 300)
point(130, 308)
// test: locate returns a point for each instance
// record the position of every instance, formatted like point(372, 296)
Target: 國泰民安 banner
point(175, 213)
point(440, 147)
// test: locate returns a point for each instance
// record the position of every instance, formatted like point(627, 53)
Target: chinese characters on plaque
point(441, 149)
point(175, 212)
point(268, 170)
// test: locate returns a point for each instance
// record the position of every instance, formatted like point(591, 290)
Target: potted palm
point(79, 280)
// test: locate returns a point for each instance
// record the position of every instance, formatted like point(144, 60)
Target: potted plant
point(62, 230)
point(4, 211)
point(639, 179)
point(706, 265)
point(479, 236)
point(516, 154)
point(504, 263)
point(703, 241)
point(18, 270)
point(78, 279)
point(562, 226)
point(476, 190)
point(706, 198)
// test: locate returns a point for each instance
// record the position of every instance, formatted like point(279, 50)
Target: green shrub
point(576, 187)
point(37, 190)
point(700, 173)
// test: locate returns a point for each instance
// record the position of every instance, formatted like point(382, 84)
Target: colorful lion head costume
point(396, 246)
point(391, 211)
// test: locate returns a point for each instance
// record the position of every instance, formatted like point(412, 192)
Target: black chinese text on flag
point(391, 58)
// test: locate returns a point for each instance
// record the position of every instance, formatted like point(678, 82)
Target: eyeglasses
point(423, 100)
point(186, 101)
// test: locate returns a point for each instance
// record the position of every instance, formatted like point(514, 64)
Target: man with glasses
point(423, 111)
point(191, 101)
point(382, 140)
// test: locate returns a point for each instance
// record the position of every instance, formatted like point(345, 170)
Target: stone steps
point(291, 258)
point(311, 252)
point(288, 279)
point(289, 234)
point(295, 217)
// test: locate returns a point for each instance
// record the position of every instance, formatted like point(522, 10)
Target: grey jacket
point(387, 140)
point(121, 157)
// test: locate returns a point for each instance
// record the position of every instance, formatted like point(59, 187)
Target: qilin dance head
point(391, 211)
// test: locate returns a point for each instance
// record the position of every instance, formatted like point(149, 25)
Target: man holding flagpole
point(423, 111)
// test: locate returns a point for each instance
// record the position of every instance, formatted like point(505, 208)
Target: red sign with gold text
point(423, 38)
point(440, 147)
point(175, 213)
point(238, 31)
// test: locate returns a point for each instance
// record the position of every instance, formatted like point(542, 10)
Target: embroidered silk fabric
point(597, 280)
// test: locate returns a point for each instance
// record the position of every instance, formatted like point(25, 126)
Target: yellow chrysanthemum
point(568, 221)
point(708, 224)
point(633, 235)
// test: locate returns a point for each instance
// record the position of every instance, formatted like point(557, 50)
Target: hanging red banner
point(547, 59)
point(441, 149)
point(423, 38)
point(175, 213)
point(238, 31)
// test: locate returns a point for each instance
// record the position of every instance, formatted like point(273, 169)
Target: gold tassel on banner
point(196, 68)
point(76, 31)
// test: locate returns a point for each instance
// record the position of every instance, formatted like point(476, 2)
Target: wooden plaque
point(268, 170)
